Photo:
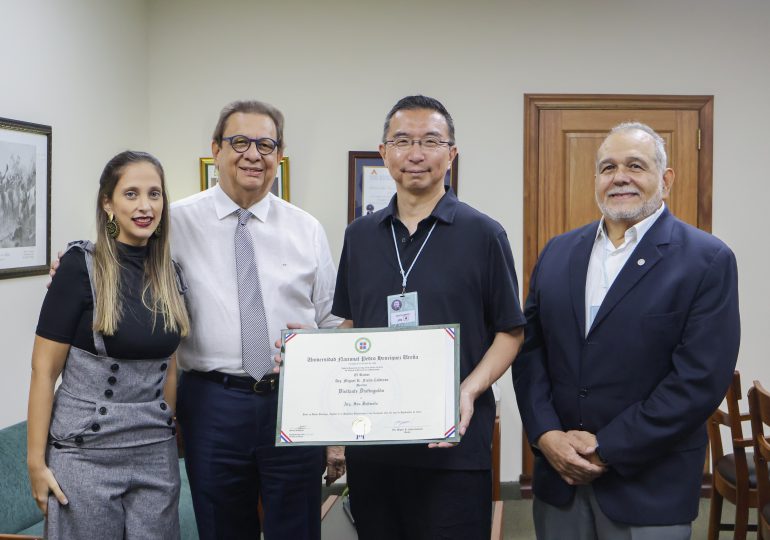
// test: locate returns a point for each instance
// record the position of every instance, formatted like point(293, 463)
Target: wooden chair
point(759, 407)
point(733, 475)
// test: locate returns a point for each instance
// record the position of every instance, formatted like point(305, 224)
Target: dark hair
point(159, 292)
point(114, 170)
point(410, 103)
point(250, 107)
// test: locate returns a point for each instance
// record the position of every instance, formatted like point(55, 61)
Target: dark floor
point(517, 517)
point(517, 520)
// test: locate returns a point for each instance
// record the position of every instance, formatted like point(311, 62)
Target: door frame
point(533, 104)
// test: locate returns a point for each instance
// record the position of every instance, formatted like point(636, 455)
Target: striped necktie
point(255, 341)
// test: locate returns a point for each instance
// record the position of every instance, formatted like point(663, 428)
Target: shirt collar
point(638, 230)
point(225, 206)
point(444, 210)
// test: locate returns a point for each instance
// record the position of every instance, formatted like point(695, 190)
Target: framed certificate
point(209, 173)
point(370, 186)
point(210, 176)
point(369, 386)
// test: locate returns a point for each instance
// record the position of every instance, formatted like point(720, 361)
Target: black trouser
point(400, 502)
point(231, 460)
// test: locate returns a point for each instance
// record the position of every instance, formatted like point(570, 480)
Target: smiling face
point(629, 187)
point(418, 170)
point(137, 203)
point(246, 177)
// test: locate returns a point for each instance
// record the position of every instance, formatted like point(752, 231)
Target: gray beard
point(633, 214)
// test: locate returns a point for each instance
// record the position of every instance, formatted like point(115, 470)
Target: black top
point(67, 312)
point(465, 274)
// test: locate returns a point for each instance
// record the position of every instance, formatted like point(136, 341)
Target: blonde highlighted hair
point(160, 293)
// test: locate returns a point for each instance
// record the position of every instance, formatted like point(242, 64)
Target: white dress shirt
point(607, 261)
point(296, 272)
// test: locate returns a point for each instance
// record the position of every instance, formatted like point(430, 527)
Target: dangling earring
point(112, 227)
point(156, 232)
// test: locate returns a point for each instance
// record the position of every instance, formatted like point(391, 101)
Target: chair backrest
point(759, 407)
point(733, 419)
point(18, 510)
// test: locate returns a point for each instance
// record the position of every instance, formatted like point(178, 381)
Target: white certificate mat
point(377, 189)
point(369, 386)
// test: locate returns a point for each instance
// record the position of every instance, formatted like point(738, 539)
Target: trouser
point(130, 493)
point(392, 502)
point(231, 460)
point(583, 519)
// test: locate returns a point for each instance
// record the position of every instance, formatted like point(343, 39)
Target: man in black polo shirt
point(455, 265)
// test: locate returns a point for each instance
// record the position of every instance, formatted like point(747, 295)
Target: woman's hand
point(48, 358)
point(43, 482)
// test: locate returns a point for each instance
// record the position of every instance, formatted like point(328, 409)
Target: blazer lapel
point(642, 260)
point(578, 269)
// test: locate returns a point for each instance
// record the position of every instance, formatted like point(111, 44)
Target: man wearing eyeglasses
point(227, 393)
point(448, 263)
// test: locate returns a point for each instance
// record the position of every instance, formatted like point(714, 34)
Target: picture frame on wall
point(209, 173)
point(25, 198)
point(210, 177)
point(370, 185)
point(281, 185)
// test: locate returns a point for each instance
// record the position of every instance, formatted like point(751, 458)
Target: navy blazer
point(655, 364)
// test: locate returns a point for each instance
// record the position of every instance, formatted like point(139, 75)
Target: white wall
point(336, 67)
point(80, 67)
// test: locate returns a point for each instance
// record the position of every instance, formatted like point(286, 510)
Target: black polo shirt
point(465, 274)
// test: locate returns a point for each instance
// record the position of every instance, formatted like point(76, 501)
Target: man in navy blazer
point(631, 340)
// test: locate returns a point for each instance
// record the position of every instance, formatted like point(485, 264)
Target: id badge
point(402, 310)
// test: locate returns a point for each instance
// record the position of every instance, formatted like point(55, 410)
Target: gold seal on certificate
point(369, 386)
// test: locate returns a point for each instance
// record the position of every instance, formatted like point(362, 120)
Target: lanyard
point(398, 256)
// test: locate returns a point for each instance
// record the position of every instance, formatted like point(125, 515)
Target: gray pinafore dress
point(112, 447)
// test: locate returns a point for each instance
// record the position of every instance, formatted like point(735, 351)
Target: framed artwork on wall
point(370, 186)
point(281, 185)
point(210, 176)
point(25, 198)
point(209, 173)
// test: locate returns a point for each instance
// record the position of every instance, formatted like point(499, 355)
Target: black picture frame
point(25, 198)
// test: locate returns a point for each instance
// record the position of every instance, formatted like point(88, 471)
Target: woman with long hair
point(101, 453)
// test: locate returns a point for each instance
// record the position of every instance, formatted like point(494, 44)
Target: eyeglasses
point(241, 143)
point(428, 143)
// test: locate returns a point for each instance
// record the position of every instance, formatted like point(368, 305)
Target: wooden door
point(561, 136)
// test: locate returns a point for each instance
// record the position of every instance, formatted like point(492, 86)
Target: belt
point(266, 385)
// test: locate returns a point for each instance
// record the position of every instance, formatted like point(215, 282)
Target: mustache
point(623, 191)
